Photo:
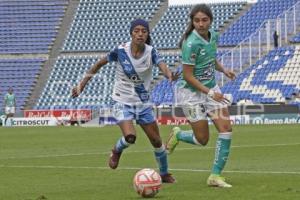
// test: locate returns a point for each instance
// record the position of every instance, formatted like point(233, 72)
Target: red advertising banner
point(73, 115)
point(168, 120)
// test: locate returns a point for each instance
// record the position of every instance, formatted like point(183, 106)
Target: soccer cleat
point(168, 178)
point(114, 159)
point(217, 181)
point(172, 140)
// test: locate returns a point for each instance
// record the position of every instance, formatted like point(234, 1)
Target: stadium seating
point(100, 28)
point(66, 73)
point(163, 93)
point(88, 33)
point(272, 79)
point(20, 74)
point(235, 60)
point(168, 30)
point(29, 26)
point(295, 39)
point(253, 19)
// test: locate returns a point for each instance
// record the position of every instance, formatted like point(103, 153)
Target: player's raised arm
point(89, 74)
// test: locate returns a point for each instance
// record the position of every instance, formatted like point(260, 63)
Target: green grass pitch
point(70, 163)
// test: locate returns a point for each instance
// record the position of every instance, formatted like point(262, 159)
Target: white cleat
point(217, 181)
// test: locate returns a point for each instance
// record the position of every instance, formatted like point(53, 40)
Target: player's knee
point(130, 138)
point(202, 141)
point(226, 128)
point(156, 142)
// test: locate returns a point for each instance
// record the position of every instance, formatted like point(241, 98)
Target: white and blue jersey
point(132, 83)
point(133, 76)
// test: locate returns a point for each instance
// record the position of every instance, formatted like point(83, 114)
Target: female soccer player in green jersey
point(10, 105)
point(199, 95)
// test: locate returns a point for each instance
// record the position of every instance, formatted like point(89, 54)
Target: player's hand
point(77, 90)
point(174, 76)
point(230, 74)
point(220, 98)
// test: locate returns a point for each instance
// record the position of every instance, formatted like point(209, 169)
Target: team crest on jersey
point(193, 57)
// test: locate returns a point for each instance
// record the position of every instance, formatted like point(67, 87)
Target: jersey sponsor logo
point(189, 44)
point(202, 52)
point(135, 79)
point(207, 73)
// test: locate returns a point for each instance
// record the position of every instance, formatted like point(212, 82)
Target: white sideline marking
point(144, 151)
point(137, 168)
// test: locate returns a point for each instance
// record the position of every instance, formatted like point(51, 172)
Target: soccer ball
point(147, 182)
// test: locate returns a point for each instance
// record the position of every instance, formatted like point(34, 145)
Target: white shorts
point(196, 105)
point(9, 110)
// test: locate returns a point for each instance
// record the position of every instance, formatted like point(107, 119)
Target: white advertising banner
point(15, 121)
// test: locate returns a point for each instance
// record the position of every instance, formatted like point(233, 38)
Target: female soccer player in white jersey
point(131, 93)
point(199, 95)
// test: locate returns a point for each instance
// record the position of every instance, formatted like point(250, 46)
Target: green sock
point(221, 153)
point(188, 137)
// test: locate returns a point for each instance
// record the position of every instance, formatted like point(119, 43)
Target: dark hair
point(197, 8)
point(149, 40)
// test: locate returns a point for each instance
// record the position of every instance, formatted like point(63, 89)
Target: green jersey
point(201, 54)
point(9, 100)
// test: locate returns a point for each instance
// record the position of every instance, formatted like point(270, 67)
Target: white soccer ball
point(147, 182)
